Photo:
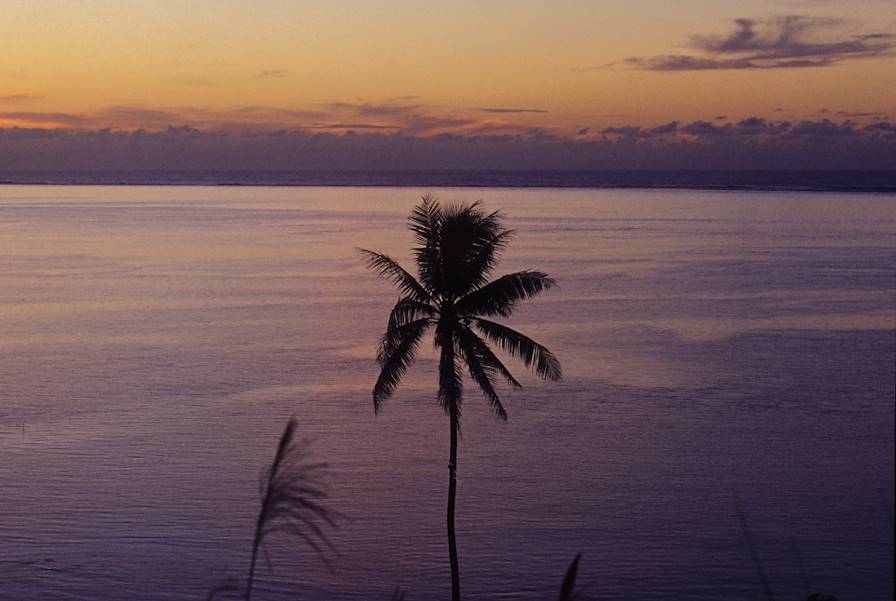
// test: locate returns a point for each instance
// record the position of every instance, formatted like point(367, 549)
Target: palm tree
point(457, 248)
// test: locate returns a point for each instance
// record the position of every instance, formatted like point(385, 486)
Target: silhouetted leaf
point(569, 581)
point(397, 351)
point(532, 354)
point(388, 267)
point(292, 500)
point(481, 372)
point(500, 297)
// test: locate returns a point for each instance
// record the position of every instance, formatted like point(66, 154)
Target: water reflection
point(715, 345)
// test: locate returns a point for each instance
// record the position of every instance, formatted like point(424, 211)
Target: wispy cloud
point(349, 126)
point(194, 82)
point(788, 42)
point(43, 119)
point(415, 118)
point(410, 117)
point(509, 110)
point(272, 74)
point(18, 98)
point(857, 114)
point(420, 119)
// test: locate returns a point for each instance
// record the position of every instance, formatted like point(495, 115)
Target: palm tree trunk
point(452, 492)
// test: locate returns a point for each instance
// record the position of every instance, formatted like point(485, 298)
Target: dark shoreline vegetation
point(859, 181)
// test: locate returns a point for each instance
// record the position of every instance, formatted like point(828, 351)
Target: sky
point(384, 84)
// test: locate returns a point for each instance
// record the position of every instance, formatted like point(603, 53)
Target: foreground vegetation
point(457, 248)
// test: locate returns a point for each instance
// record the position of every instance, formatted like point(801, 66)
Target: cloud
point(420, 119)
point(125, 116)
point(43, 119)
point(859, 115)
point(881, 128)
point(755, 129)
point(411, 118)
point(752, 143)
point(272, 74)
point(703, 129)
point(411, 134)
point(18, 98)
point(194, 82)
point(637, 131)
point(668, 128)
point(350, 126)
point(274, 113)
point(824, 128)
point(787, 42)
point(507, 110)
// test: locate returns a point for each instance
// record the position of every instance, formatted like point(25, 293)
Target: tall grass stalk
point(292, 496)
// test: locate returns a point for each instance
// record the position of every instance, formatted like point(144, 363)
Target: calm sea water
point(716, 346)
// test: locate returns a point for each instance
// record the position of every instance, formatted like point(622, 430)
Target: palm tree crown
point(456, 250)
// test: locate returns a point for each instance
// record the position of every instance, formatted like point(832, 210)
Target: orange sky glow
point(569, 68)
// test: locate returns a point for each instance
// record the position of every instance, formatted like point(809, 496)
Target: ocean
point(722, 349)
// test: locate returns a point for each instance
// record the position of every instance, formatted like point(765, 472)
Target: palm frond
point(407, 310)
point(469, 241)
point(450, 382)
point(425, 222)
point(292, 499)
point(481, 373)
point(393, 338)
point(424, 219)
point(530, 352)
point(396, 355)
point(487, 357)
point(388, 267)
point(567, 592)
point(486, 254)
point(500, 296)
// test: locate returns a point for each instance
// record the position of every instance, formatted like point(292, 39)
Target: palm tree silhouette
point(457, 248)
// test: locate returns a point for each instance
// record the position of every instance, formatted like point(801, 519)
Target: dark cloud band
point(787, 42)
point(753, 143)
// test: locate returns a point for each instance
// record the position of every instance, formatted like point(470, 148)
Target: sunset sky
point(588, 72)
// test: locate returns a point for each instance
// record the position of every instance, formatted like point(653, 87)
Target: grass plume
point(292, 501)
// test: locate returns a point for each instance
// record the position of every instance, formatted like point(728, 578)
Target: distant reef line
point(872, 181)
